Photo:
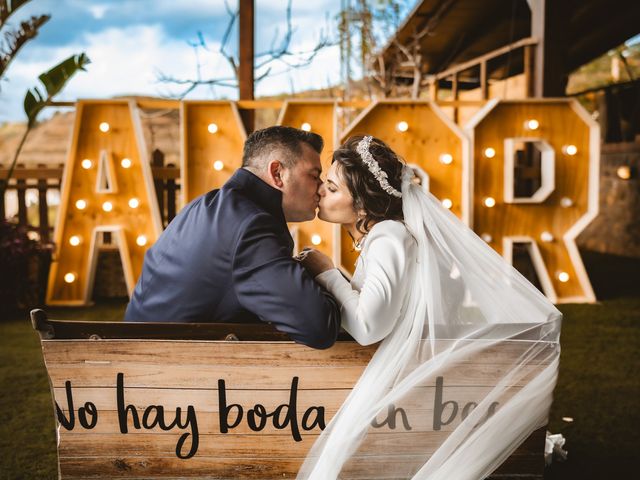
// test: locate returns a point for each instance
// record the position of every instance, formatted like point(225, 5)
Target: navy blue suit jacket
point(227, 257)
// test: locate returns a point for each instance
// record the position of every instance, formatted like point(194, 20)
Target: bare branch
point(280, 53)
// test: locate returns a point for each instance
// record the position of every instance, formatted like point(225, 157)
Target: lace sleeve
point(370, 314)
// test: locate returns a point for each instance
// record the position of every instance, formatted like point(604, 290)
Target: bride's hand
point(314, 261)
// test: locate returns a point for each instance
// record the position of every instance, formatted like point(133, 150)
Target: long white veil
point(466, 375)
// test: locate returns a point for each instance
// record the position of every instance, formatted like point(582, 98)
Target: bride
point(435, 296)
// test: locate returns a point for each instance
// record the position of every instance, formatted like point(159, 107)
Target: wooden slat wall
point(175, 373)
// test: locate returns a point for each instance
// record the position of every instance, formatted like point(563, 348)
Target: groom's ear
point(275, 171)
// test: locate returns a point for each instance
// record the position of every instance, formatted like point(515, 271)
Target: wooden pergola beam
point(549, 21)
point(246, 67)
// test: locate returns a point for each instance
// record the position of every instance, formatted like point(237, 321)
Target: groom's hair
point(286, 141)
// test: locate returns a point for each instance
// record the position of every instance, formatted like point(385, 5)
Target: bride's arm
point(370, 315)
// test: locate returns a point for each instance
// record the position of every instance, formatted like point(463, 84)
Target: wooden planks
point(289, 391)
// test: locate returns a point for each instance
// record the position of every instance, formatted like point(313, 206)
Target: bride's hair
point(368, 195)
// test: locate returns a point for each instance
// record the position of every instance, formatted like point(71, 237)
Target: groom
point(227, 256)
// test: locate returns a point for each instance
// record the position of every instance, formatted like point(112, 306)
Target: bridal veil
point(467, 374)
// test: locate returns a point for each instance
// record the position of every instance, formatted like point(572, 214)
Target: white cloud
point(98, 11)
point(126, 60)
point(123, 61)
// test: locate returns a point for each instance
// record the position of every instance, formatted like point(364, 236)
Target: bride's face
point(336, 203)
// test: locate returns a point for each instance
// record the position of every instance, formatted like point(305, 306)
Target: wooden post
point(157, 160)
point(171, 189)
point(21, 188)
point(529, 69)
point(484, 85)
point(433, 89)
point(245, 69)
point(454, 92)
point(549, 24)
point(43, 208)
point(3, 190)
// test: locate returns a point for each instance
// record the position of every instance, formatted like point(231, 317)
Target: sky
point(130, 42)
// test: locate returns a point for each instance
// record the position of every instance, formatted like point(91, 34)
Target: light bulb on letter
point(402, 126)
point(546, 237)
point(489, 152)
point(446, 158)
point(624, 172)
point(566, 202)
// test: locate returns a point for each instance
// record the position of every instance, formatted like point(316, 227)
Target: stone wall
point(616, 229)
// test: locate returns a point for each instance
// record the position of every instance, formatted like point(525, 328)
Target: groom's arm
point(269, 283)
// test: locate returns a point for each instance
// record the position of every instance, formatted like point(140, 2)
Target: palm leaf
point(54, 80)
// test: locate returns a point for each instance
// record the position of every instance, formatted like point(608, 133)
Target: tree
point(279, 53)
point(15, 38)
point(53, 81)
point(364, 26)
point(34, 101)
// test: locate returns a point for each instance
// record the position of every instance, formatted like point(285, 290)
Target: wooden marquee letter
point(427, 139)
point(107, 187)
point(318, 116)
point(562, 141)
point(212, 139)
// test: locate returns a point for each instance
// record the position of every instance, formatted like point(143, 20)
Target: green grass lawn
point(599, 387)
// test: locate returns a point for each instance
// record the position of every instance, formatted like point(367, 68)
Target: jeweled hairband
point(374, 168)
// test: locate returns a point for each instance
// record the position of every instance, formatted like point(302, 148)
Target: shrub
point(21, 272)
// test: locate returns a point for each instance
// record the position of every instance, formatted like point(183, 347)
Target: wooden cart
point(161, 400)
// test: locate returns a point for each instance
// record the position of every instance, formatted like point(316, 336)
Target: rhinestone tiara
point(374, 168)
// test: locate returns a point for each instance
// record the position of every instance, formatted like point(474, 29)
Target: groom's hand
point(314, 261)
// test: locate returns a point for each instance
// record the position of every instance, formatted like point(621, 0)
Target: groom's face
point(300, 187)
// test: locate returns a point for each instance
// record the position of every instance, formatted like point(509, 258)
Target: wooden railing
point(46, 178)
point(526, 45)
